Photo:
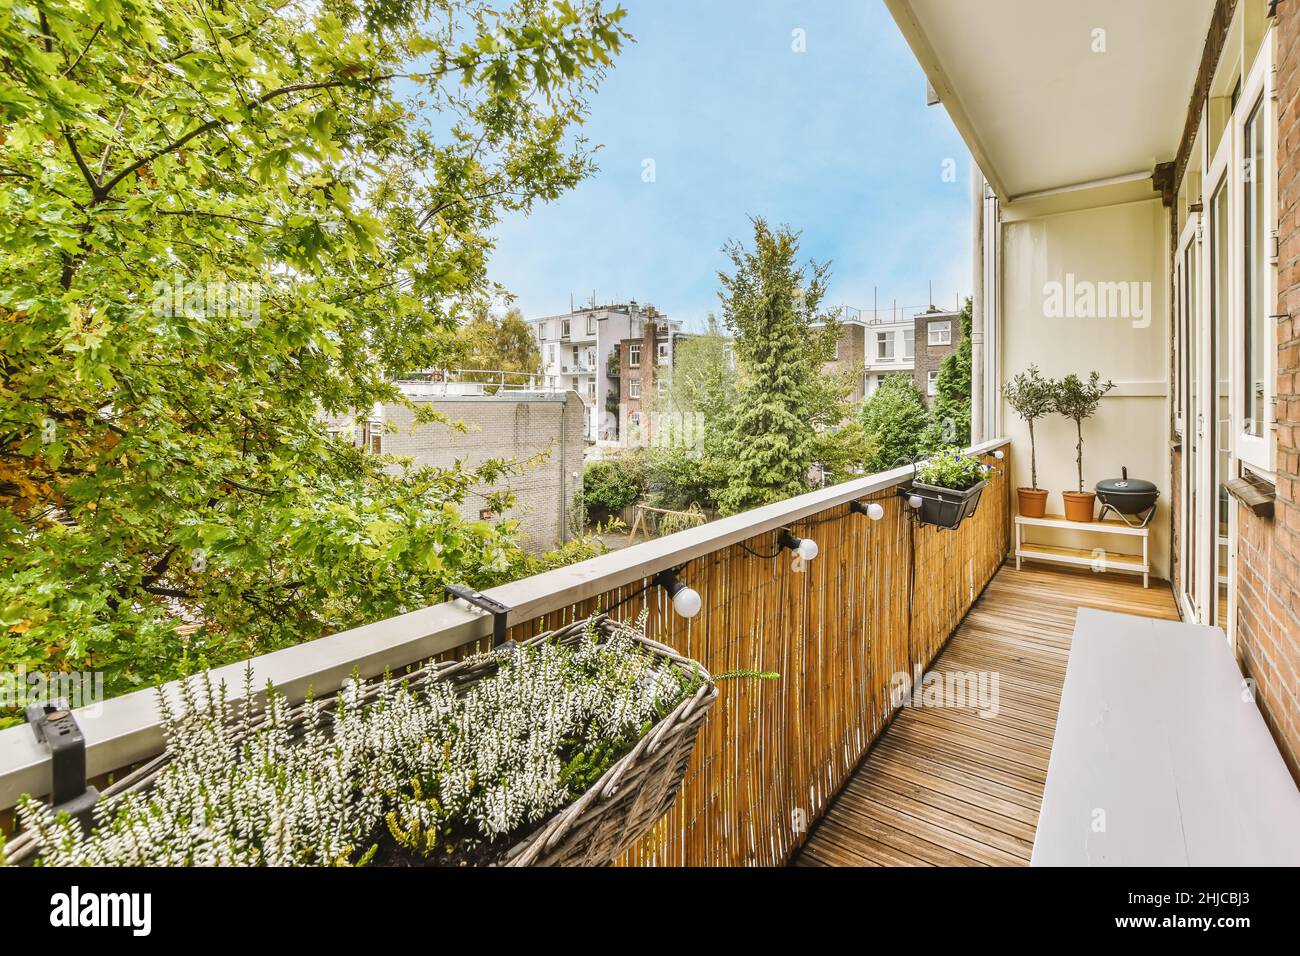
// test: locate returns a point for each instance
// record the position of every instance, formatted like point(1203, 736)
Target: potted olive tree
point(1077, 400)
point(1031, 396)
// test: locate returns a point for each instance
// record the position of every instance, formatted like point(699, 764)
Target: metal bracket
point(56, 728)
point(485, 603)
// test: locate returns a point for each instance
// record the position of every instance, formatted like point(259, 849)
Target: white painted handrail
point(126, 729)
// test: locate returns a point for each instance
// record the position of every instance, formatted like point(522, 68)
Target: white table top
point(1160, 758)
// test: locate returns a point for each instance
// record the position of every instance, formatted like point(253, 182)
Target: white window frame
point(662, 352)
point(883, 350)
point(909, 356)
point(565, 326)
point(591, 325)
point(543, 330)
point(634, 388)
point(634, 355)
point(1258, 452)
point(940, 333)
point(932, 382)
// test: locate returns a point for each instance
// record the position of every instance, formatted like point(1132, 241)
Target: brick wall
point(852, 354)
point(505, 427)
point(1268, 552)
point(930, 357)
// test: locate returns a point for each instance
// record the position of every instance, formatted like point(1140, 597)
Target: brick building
point(645, 364)
point(935, 335)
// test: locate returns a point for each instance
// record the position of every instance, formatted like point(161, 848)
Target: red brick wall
point(1268, 552)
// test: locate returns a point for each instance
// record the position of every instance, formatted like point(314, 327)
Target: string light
point(806, 548)
point(873, 510)
point(999, 454)
point(914, 501)
point(686, 600)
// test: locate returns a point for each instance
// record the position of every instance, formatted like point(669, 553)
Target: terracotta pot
point(1031, 502)
point(1079, 505)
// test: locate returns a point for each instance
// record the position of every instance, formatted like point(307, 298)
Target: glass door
point(1187, 288)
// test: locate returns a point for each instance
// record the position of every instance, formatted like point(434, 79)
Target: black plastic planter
point(946, 507)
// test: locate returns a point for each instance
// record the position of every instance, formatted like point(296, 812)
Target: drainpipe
point(977, 305)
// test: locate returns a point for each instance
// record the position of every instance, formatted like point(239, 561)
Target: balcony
point(825, 765)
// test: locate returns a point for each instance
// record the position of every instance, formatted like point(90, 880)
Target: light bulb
point(914, 501)
point(875, 511)
point(687, 603)
point(999, 454)
point(807, 549)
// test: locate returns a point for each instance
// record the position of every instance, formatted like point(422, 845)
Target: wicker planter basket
point(594, 830)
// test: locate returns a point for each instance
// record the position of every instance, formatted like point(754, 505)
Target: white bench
point(1161, 756)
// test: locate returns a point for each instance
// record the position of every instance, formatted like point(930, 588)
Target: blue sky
point(836, 141)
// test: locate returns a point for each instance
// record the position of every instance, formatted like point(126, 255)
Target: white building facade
point(576, 350)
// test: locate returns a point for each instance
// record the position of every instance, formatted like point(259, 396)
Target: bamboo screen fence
point(774, 752)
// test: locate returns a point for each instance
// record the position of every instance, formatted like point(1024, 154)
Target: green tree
point(223, 221)
point(500, 344)
point(704, 377)
point(951, 409)
point(894, 423)
point(770, 305)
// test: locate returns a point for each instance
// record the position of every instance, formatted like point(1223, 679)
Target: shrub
point(611, 485)
point(894, 421)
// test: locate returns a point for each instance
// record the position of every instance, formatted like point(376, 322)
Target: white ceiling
point(1039, 109)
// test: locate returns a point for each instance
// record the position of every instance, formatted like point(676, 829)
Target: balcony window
point(909, 345)
point(634, 355)
point(1253, 334)
point(883, 350)
point(564, 328)
point(663, 353)
point(634, 388)
point(940, 333)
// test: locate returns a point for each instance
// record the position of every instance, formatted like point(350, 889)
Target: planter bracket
point(56, 728)
point(485, 603)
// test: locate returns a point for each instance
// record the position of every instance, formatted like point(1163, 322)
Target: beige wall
point(1118, 243)
point(504, 426)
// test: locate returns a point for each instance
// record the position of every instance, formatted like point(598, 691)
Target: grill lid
point(1125, 485)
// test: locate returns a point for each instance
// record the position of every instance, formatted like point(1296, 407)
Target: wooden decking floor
point(947, 787)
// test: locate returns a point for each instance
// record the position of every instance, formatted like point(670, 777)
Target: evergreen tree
point(951, 412)
point(771, 306)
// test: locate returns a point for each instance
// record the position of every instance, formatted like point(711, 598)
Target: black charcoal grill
point(1131, 499)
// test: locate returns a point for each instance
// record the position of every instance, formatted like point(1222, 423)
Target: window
point(564, 328)
point(634, 355)
point(591, 325)
point(634, 388)
point(940, 334)
point(1252, 380)
point(663, 353)
point(932, 382)
point(591, 390)
point(883, 351)
point(909, 345)
point(543, 330)
point(836, 356)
